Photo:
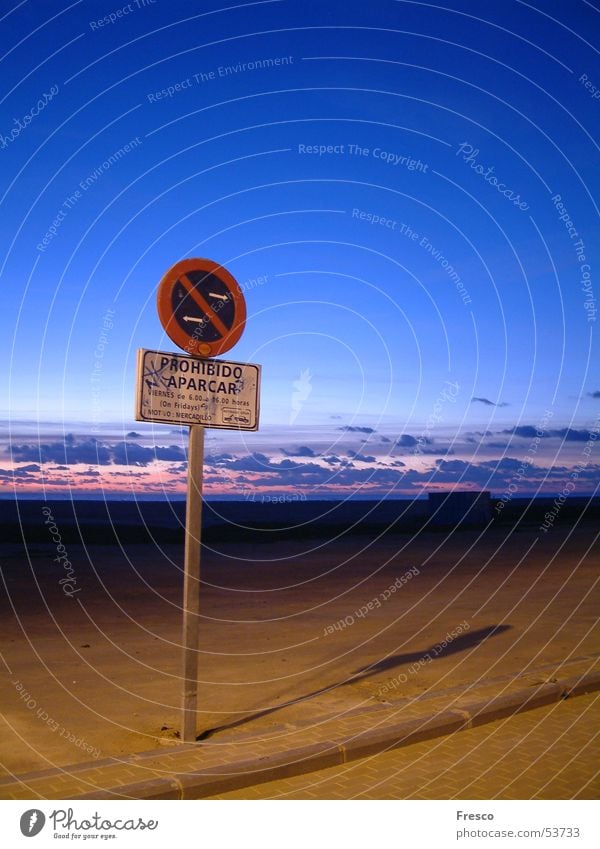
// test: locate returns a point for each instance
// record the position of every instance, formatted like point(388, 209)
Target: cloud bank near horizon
point(340, 463)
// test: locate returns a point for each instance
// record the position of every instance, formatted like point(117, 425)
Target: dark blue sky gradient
point(418, 108)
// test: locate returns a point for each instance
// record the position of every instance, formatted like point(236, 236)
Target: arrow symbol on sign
point(193, 318)
point(220, 297)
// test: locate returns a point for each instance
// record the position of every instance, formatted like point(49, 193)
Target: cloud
point(301, 451)
point(218, 479)
point(90, 452)
point(23, 472)
point(489, 403)
point(133, 454)
point(297, 466)
point(409, 441)
point(169, 452)
point(568, 434)
point(177, 469)
point(405, 441)
point(361, 458)
point(255, 462)
point(66, 453)
point(218, 459)
point(498, 474)
point(525, 431)
point(591, 473)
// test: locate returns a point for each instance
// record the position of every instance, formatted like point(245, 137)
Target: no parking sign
point(201, 307)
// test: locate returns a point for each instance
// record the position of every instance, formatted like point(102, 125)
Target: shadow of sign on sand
point(441, 649)
point(436, 650)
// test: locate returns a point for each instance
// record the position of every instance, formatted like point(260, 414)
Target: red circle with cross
point(201, 307)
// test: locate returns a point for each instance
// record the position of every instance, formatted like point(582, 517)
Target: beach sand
point(97, 673)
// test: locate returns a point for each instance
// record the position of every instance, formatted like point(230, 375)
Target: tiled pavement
point(546, 753)
point(315, 730)
point(211, 768)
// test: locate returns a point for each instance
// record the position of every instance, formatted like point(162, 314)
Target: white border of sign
point(212, 393)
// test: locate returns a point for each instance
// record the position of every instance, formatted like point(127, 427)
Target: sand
point(95, 672)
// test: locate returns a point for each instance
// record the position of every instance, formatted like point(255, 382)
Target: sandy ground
point(97, 674)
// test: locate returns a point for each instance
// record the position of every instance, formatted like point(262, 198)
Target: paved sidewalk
point(309, 659)
point(205, 769)
point(546, 753)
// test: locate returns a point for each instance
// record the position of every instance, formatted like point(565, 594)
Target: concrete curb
point(305, 759)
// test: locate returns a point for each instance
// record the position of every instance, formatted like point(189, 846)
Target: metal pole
point(191, 582)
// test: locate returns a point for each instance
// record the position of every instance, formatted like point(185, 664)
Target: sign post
point(203, 310)
point(191, 582)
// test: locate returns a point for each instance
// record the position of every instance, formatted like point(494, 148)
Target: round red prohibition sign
point(201, 307)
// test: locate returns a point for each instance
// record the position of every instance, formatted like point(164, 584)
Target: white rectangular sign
point(179, 389)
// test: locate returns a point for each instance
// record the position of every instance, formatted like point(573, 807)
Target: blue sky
point(407, 193)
